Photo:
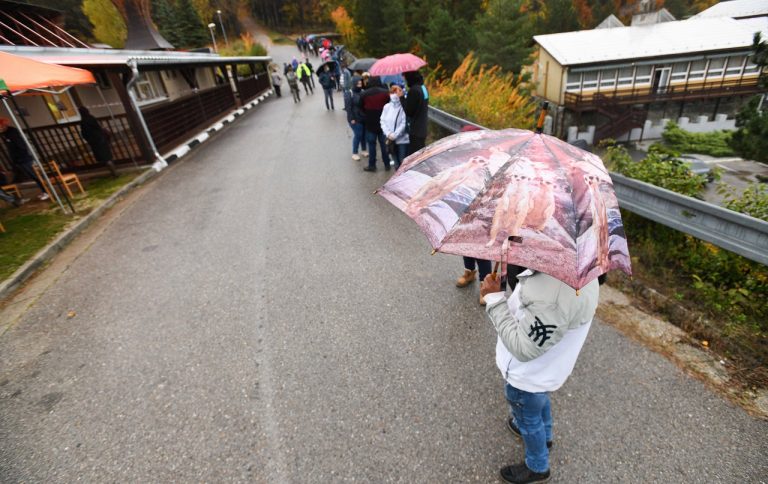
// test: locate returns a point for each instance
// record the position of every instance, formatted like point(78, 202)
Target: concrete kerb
point(48, 252)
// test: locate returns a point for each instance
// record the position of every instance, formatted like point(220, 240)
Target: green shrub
point(751, 139)
point(715, 143)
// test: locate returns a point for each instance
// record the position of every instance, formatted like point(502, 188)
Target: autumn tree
point(108, 25)
point(345, 25)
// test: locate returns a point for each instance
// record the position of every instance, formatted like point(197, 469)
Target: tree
point(188, 26)
point(75, 21)
point(383, 24)
point(108, 25)
point(345, 25)
point(504, 36)
point(558, 16)
point(163, 16)
point(751, 139)
point(445, 41)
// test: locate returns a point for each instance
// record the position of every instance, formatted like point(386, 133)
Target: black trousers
point(416, 144)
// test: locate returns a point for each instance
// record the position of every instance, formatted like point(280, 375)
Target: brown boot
point(466, 279)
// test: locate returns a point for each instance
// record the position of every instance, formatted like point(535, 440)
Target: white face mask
point(394, 97)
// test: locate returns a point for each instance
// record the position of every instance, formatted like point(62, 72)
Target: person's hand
point(490, 284)
point(353, 121)
point(391, 136)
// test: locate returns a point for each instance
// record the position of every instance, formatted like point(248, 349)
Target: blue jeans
point(533, 415)
point(358, 137)
point(400, 154)
point(328, 97)
point(371, 138)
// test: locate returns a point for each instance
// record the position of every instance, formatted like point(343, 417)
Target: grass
point(32, 226)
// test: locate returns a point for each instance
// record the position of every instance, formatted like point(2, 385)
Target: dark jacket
point(416, 105)
point(326, 80)
point(352, 103)
point(372, 101)
point(93, 133)
point(17, 148)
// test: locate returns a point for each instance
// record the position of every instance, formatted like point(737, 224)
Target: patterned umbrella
point(396, 64)
point(471, 192)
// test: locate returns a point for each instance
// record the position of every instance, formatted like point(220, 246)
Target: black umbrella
point(331, 66)
point(362, 64)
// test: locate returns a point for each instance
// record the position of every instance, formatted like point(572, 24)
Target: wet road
point(257, 315)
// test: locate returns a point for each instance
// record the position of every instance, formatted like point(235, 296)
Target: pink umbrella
point(396, 64)
point(473, 191)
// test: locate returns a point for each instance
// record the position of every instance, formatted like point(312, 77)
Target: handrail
point(733, 231)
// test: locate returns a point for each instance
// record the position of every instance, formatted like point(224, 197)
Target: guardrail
point(733, 231)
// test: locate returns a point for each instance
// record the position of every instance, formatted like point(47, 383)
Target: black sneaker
point(369, 168)
point(521, 474)
point(516, 431)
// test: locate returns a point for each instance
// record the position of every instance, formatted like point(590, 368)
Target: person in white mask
point(393, 124)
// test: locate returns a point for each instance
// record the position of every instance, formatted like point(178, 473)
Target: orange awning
point(20, 73)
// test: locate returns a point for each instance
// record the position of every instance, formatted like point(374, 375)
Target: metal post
point(223, 32)
point(212, 26)
point(35, 157)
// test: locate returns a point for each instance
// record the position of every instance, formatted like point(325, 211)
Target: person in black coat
point(416, 107)
point(97, 139)
point(20, 155)
point(356, 117)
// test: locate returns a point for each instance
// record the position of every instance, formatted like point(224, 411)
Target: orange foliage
point(484, 95)
point(584, 12)
point(345, 25)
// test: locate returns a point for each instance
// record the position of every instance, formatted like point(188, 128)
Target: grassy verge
point(32, 226)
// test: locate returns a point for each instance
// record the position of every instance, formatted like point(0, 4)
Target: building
point(626, 82)
point(149, 100)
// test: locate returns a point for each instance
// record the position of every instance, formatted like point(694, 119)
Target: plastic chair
point(66, 179)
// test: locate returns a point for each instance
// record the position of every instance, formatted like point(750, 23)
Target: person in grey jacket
point(541, 329)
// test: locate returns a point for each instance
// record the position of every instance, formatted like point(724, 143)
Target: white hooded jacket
point(393, 121)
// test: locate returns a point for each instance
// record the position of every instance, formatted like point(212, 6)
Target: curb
point(48, 252)
point(25, 271)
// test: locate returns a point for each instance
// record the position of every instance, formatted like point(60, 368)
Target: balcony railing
point(674, 92)
point(252, 87)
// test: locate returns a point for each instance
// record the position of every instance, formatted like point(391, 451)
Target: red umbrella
point(396, 64)
point(471, 192)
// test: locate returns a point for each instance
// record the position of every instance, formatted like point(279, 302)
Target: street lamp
point(212, 26)
point(223, 32)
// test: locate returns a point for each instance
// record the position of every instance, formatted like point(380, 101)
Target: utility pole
point(212, 26)
point(223, 32)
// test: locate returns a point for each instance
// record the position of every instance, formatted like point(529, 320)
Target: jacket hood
point(413, 78)
point(355, 80)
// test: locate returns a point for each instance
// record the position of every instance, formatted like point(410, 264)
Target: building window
point(679, 71)
point(698, 68)
point(626, 75)
point(573, 83)
point(62, 107)
point(608, 78)
point(716, 66)
point(149, 88)
point(589, 79)
point(643, 75)
point(735, 65)
point(750, 67)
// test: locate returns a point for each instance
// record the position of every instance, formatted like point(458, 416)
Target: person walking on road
point(311, 71)
point(373, 101)
point(293, 83)
point(355, 117)
point(416, 106)
point(541, 329)
point(326, 81)
point(22, 159)
point(277, 81)
point(393, 126)
point(305, 75)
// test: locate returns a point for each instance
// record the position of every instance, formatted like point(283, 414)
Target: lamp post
point(223, 32)
point(212, 26)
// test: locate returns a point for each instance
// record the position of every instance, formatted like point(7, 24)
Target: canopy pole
point(122, 132)
point(34, 155)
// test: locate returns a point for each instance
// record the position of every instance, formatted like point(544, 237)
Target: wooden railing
point(169, 123)
point(674, 92)
point(252, 86)
point(64, 144)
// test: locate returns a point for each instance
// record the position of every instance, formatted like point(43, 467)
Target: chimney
point(142, 34)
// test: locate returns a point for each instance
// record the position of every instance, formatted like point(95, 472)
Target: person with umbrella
point(416, 106)
point(20, 155)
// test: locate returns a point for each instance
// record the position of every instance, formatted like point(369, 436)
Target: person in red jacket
point(372, 101)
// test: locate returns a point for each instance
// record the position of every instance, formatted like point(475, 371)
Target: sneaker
point(356, 157)
point(387, 167)
point(466, 279)
point(43, 196)
point(516, 431)
point(364, 153)
point(369, 168)
point(521, 474)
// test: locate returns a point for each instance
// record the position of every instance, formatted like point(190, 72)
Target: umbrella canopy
point(396, 64)
point(472, 191)
point(331, 66)
point(363, 64)
point(20, 73)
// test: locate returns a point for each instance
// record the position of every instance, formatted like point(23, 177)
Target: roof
point(119, 57)
point(736, 9)
point(647, 41)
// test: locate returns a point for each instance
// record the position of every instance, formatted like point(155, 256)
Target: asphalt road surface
point(259, 316)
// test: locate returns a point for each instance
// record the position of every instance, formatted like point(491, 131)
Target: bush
point(753, 201)
point(713, 144)
point(751, 139)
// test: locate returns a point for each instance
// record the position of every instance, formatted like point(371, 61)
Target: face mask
point(394, 97)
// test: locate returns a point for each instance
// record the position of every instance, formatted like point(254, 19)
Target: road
point(257, 315)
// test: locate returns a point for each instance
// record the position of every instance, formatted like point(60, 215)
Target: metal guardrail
point(733, 231)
